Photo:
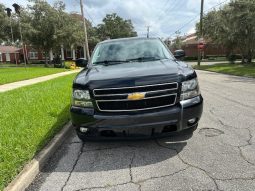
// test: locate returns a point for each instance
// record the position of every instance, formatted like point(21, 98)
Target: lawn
point(233, 69)
point(8, 75)
point(29, 118)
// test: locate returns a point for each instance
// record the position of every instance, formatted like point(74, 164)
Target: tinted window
point(130, 49)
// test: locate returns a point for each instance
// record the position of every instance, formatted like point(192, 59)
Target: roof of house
point(191, 39)
point(8, 49)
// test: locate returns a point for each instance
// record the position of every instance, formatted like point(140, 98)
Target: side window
point(33, 54)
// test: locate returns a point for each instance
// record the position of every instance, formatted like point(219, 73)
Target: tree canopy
point(48, 27)
point(114, 26)
point(233, 26)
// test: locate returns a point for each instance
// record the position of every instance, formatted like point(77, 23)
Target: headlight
point(190, 89)
point(81, 98)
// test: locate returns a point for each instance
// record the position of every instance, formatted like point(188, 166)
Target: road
point(219, 156)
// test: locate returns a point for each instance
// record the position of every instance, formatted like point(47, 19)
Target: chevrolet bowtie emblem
point(136, 96)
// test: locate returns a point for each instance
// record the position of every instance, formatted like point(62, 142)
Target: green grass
point(8, 75)
point(233, 69)
point(29, 118)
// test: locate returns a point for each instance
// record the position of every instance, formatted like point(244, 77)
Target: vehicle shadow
point(115, 155)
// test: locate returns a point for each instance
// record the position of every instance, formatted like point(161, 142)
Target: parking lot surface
point(220, 155)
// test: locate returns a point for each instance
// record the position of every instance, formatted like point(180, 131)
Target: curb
point(30, 171)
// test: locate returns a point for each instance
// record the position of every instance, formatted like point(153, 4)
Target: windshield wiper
point(143, 59)
point(110, 62)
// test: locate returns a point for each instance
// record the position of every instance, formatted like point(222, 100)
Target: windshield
point(130, 50)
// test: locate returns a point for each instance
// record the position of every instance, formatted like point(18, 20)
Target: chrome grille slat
point(105, 95)
point(158, 97)
point(134, 87)
point(134, 100)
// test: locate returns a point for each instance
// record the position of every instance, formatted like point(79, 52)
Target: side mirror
point(81, 62)
point(178, 54)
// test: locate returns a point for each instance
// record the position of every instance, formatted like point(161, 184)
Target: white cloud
point(191, 30)
point(164, 16)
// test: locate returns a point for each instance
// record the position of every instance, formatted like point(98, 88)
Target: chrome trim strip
point(166, 95)
point(106, 95)
point(134, 87)
point(149, 108)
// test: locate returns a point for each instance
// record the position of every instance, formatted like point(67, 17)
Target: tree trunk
point(46, 59)
point(249, 57)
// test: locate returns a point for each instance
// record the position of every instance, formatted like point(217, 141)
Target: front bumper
point(158, 123)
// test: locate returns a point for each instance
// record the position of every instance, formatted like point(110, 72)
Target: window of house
point(8, 58)
point(33, 55)
point(68, 53)
point(1, 59)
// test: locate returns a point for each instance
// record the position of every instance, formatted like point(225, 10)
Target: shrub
point(190, 58)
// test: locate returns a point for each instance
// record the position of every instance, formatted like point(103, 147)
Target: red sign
point(201, 46)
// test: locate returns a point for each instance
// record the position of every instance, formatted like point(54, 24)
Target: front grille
point(116, 99)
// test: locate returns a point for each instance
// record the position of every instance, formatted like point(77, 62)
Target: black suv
point(134, 87)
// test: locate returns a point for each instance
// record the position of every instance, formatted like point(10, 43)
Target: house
point(190, 46)
point(33, 55)
point(211, 49)
point(9, 54)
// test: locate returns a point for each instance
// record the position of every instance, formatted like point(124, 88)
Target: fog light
point(83, 129)
point(191, 121)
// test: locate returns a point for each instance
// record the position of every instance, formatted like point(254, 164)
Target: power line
point(162, 12)
point(172, 6)
point(75, 4)
point(183, 26)
point(91, 18)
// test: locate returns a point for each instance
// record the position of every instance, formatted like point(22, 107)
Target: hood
point(131, 74)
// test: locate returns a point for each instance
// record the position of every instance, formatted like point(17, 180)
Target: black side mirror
point(81, 62)
point(179, 54)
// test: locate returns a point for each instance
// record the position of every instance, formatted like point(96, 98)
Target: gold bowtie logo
point(136, 96)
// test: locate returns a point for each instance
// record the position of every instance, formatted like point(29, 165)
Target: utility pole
point(86, 52)
point(148, 31)
point(200, 31)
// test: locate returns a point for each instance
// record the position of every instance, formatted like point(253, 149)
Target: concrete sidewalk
point(206, 63)
point(15, 85)
point(209, 62)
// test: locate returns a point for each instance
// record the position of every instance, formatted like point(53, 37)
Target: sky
point(164, 17)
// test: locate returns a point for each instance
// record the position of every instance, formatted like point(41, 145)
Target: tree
point(233, 26)
point(43, 21)
point(52, 27)
point(177, 43)
point(4, 22)
point(5, 29)
point(114, 26)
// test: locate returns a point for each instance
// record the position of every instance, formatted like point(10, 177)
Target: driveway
point(219, 156)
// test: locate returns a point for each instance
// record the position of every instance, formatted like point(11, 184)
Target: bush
point(68, 64)
point(233, 57)
point(190, 58)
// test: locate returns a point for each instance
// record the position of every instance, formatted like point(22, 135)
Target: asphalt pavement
point(220, 155)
